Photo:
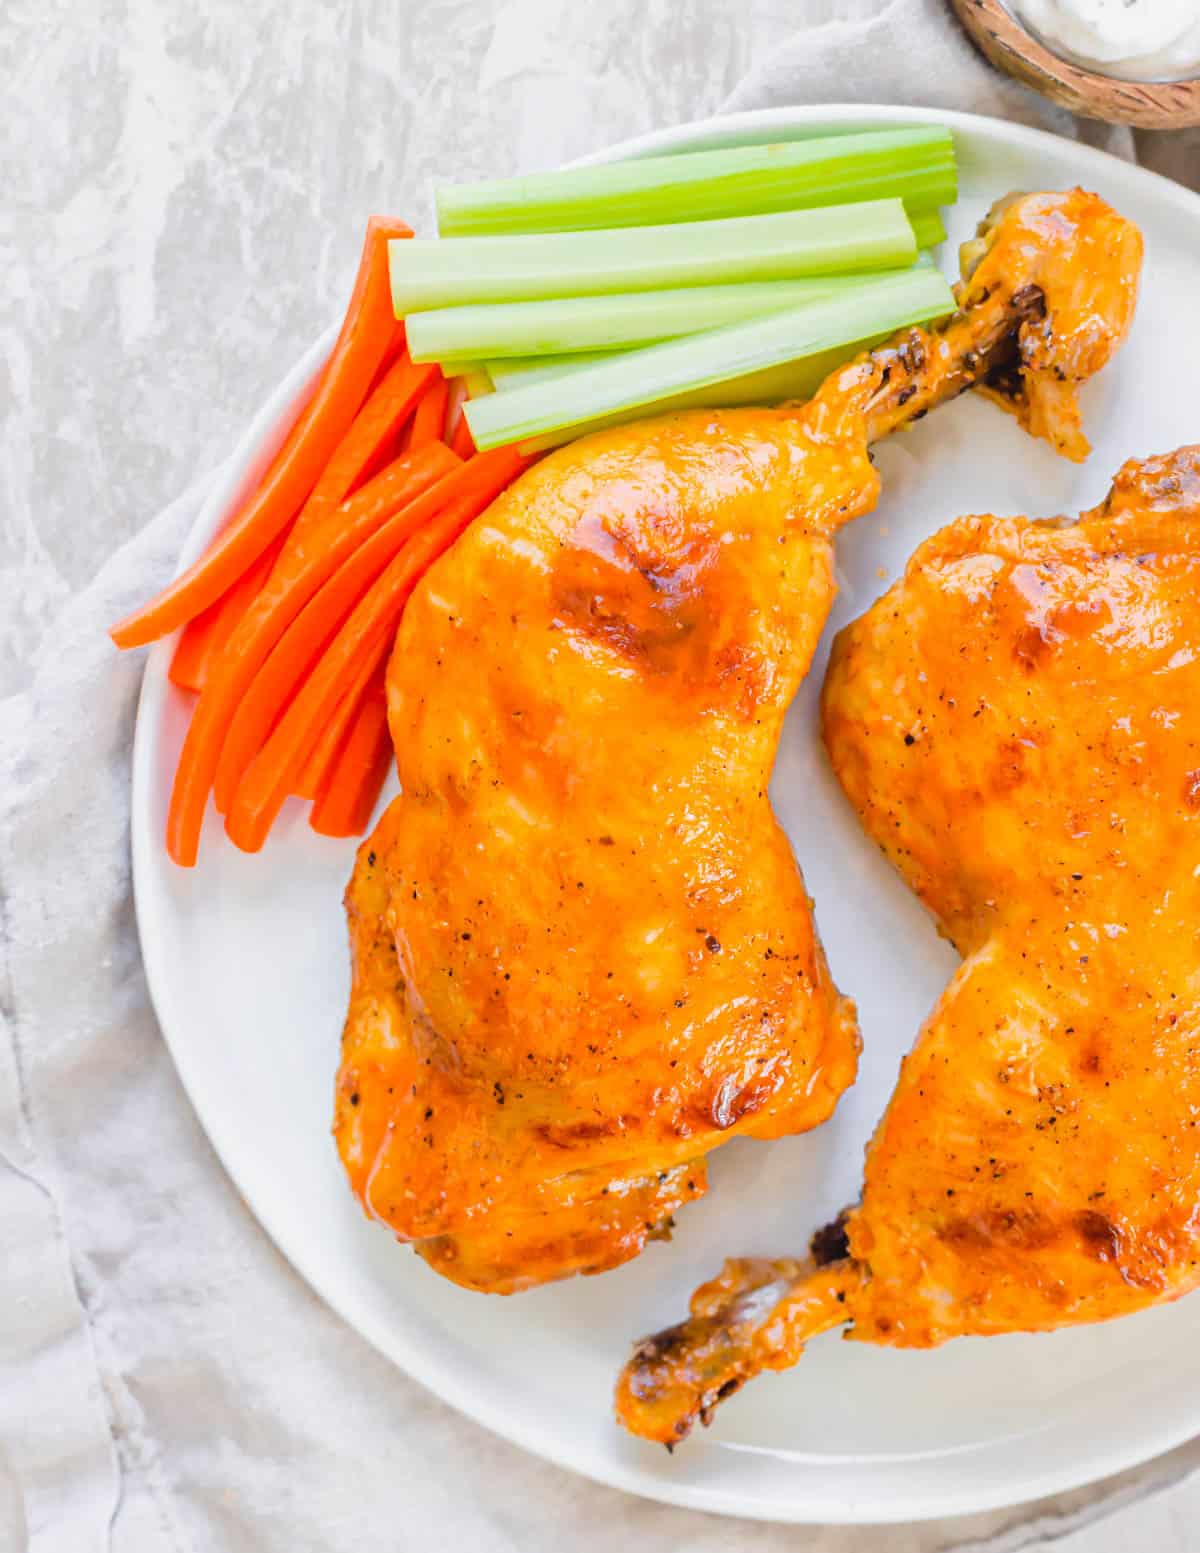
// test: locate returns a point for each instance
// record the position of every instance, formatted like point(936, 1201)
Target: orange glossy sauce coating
point(584, 951)
point(1016, 724)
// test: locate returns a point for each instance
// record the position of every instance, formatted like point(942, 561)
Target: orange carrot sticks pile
point(289, 615)
point(364, 638)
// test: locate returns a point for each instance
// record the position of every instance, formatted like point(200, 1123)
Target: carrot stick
point(319, 765)
point(191, 652)
point(205, 637)
point(389, 450)
point(365, 636)
point(348, 801)
point(275, 769)
point(430, 419)
point(361, 454)
point(297, 613)
point(363, 451)
point(366, 333)
point(454, 404)
point(281, 600)
point(462, 441)
point(455, 400)
point(190, 656)
point(395, 345)
point(262, 696)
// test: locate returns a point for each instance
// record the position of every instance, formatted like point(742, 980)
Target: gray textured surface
point(185, 192)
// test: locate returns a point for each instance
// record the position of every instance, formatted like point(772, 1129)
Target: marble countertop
point(190, 186)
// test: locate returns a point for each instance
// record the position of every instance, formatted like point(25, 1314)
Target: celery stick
point(637, 380)
point(516, 371)
point(572, 324)
point(915, 163)
point(464, 366)
point(427, 273)
point(511, 370)
point(928, 229)
point(478, 381)
point(793, 380)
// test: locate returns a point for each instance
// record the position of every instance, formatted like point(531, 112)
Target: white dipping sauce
point(1140, 40)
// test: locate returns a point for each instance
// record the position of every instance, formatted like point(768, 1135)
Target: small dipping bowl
point(1013, 48)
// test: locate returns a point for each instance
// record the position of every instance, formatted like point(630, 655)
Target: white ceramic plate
point(246, 958)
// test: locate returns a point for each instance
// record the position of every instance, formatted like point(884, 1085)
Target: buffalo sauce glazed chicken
point(583, 954)
point(1014, 722)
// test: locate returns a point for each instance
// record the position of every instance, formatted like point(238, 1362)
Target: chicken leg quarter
point(1015, 724)
point(583, 952)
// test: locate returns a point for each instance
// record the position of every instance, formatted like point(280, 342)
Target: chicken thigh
point(583, 952)
point(1015, 724)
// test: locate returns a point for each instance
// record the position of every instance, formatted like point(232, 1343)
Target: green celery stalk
point(792, 380)
point(428, 273)
point(511, 370)
point(478, 381)
point(915, 163)
point(464, 366)
point(573, 325)
point(636, 381)
point(928, 229)
point(563, 325)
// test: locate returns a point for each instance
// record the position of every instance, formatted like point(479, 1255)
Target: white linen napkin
point(166, 1381)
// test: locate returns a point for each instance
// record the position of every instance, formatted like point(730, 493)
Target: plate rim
point(406, 1353)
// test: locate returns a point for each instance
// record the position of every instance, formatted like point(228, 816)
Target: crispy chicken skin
point(1014, 722)
point(583, 953)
